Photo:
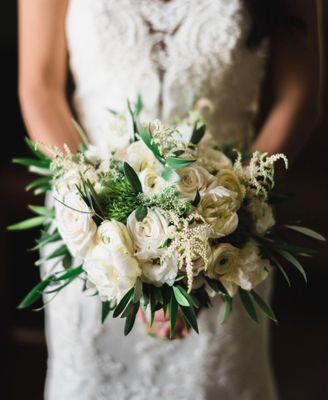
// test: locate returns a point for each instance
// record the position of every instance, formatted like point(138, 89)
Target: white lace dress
point(172, 53)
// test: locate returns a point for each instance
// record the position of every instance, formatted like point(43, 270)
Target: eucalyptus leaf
point(130, 320)
point(180, 298)
point(198, 134)
point(122, 304)
point(190, 316)
point(191, 299)
point(173, 314)
point(176, 163)
point(28, 224)
point(35, 294)
point(306, 231)
point(132, 177)
point(247, 303)
point(264, 306)
point(141, 213)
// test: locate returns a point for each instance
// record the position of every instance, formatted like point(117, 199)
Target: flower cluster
point(165, 220)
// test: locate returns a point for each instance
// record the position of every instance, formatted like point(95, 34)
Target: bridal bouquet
point(166, 221)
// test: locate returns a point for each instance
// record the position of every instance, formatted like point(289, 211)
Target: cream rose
point(75, 224)
point(223, 261)
point(139, 157)
point(150, 234)
point(159, 272)
point(218, 207)
point(152, 183)
point(228, 179)
point(250, 271)
point(211, 159)
point(262, 215)
point(194, 178)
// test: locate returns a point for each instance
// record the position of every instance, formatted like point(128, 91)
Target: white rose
point(116, 235)
point(262, 215)
point(75, 224)
point(150, 234)
point(139, 157)
point(211, 159)
point(223, 261)
point(152, 183)
point(159, 272)
point(218, 207)
point(194, 178)
point(114, 133)
point(113, 271)
point(250, 271)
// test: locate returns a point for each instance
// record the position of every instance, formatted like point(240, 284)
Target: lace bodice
point(172, 53)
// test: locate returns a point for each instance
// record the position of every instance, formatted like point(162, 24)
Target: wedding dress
point(172, 53)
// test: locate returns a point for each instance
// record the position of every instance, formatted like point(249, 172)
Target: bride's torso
point(172, 53)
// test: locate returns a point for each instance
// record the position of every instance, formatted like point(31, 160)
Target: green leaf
point(35, 294)
point(181, 299)
point(68, 274)
point(307, 232)
point(27, 224)
point(137, 291)
point(59, 252)
point(128, 309)
point(170, 175)
point(173, 314)
point(190, 316)
point(138, 105)
point(264, 306)
point(132, 177)
point(48, 239)
point(38, 182)
point(198, 134)
point(274, 260)
point(217, 286)
point(191, 299)
point(247, 303)
point(42, 190)
point(122, 304)
point(105, 310)
point(176, 163)
point(31, 162)
point(129, 322)
point(43, 211)
point(146, 137)
point(141, 213)
point(227, 307)
point(39, 154)
point(289, 257)
point(196, 200)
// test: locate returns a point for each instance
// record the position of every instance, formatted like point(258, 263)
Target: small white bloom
point(150, 234)
point(75, 224)
point(262, 215)
point(159, 272)
point(218, 207)
point(194, 178)
point(152, 182)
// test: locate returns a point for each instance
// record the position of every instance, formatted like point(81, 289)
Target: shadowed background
point(299, 343)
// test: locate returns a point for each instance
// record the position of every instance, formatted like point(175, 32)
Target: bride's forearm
point(287, 128)
point(48, 118)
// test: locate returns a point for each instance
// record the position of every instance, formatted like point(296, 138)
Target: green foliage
point(132, 178)
point(197, 133)
point(117, 199)
point(248, 305)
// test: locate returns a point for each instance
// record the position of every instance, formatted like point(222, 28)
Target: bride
point(173, 53)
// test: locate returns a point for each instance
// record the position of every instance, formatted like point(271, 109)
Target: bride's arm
point(43, 71)
point(296, 71)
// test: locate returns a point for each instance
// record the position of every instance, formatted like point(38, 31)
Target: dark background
point(299, 343)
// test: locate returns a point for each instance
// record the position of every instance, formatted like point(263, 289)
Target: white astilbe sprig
point(190, 242)
point(258, 175)
point(169, 140)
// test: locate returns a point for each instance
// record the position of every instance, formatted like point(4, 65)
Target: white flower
point(250, 271)
point(218, 207)
point(150, 234)
point(159, 272)
point(211, 159)
point(262, 215)
point(152, 182)
point(194, 178)
point(139, 157)
point(75, 224)
point(228, 179)
point(115, 133)
point(93, 154)
point(223, 261)
point(110, 265)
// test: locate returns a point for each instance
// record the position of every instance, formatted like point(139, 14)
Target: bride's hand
point(161, 325)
